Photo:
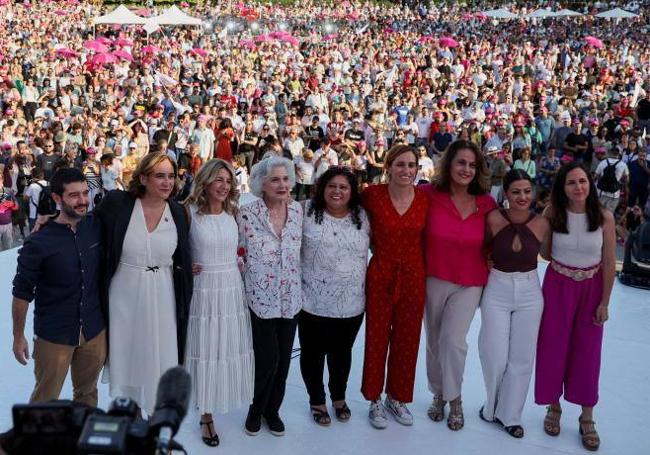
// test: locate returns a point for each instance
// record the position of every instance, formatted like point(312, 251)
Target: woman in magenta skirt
point(577, 287)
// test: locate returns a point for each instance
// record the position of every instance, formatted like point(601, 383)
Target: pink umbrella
point(4, 2)
point(278, 34)
point(247, 43)
point(124, 55)
point(292, 40)
point(198, 51)
point(447, 41)
point(262, 38)
point(151, 49)
point(354, 16)
point(103, 58)
point(330, 37)
point(425, 39)
point(144, 12)
point(66, 52)
point(105, 41)
point(467, 16)
point(287, 38)
point(594, 42)
point(123, 42)
point(96, 46)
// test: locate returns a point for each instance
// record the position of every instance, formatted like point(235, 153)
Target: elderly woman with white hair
point(270, 237)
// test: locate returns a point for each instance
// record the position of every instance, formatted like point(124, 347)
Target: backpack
point(608, 182)
point(46, 205)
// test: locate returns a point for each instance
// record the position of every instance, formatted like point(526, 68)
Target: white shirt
point(205, 139)
point(424, 126)
point(295, 146)
point(306, 169)
point(33, 192)
point(580, 247)
point(334, 260)
point(272, 263)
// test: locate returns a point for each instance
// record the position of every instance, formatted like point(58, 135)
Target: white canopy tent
point(120, 15)
point(617, 13)
point(541, 13)
point(567, 12)
point(500, 13)
point(175, 16)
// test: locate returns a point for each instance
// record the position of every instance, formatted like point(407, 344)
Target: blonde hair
point(145, 167)
point(204, 178)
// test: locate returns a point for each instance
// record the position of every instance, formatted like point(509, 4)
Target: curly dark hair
point(317, 206)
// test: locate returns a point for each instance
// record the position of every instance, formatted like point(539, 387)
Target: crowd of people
point(456, 147)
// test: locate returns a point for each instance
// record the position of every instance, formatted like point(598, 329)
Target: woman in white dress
point(149, 280)
point(219, 354)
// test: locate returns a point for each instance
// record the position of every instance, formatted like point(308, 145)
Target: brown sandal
point(436, 411)
point(590, 438)
point(552, 421)
point(456, 419)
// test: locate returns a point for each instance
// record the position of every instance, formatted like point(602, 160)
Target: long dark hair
point(480, 184)
point(317, 206)
point(560, 201)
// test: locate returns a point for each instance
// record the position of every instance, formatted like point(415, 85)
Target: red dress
point(395, 294)
point(224, 150)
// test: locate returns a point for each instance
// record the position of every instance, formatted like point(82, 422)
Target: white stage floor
point(622, 415)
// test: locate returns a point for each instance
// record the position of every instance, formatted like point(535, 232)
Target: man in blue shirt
point(59, 268)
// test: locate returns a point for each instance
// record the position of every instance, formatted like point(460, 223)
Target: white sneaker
point(399, 411)
point(377, 416)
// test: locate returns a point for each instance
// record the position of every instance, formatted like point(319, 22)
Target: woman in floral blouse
point(335, 241)
point(270, 236)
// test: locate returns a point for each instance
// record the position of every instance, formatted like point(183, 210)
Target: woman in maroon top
point(394, 287)
point(456, 271)
point(512, 303)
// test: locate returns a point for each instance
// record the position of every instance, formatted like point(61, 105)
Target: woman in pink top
point(456, 271)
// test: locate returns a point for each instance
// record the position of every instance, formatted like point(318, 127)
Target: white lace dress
point(219, 353)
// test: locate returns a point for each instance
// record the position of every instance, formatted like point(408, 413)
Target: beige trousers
point(448, 314)
point(52, 362)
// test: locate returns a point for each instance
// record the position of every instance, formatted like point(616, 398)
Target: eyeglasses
point(48, 146)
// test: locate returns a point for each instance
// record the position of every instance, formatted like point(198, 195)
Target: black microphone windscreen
point(174, 389)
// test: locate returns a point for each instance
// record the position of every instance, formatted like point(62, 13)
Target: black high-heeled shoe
point(213, 439)
point(516, 431)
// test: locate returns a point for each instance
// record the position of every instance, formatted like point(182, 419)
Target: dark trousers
point(249, 156)
point(326, 338)
point(638, 196)
point(303, 191)
point(272, 344)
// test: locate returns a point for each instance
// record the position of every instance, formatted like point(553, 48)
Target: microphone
point(172, 401)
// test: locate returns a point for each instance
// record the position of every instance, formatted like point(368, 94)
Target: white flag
point(223, 33)
point(388, 82)
point(362, 29)
point(163, 79)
